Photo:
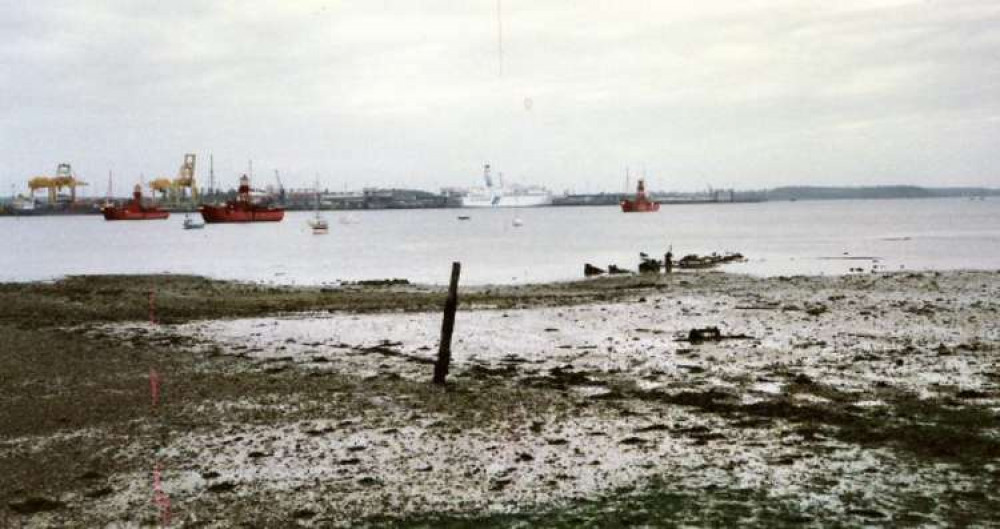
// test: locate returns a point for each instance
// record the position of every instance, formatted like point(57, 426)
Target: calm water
point(552, 244)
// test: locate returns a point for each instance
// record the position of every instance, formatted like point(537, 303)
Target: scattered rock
point(972, 394)
point(98, 493)
point(803, 379)
point(705, 334)
point(816, 309)
point(35, 504)
point(653, 428)
point(867, 513)
point(222, 486)
point(499, 483)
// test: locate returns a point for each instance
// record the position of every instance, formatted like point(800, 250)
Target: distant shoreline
point(788, 194)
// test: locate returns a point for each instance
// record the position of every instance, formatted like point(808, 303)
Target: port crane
point(180, 188)
point(64, 178)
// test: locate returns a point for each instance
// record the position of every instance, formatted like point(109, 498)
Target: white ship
point(504, 196)
point(23, 206)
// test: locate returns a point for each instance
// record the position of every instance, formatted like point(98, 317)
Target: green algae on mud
point(179, 298)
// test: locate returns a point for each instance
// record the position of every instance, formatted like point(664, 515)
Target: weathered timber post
point(447, 327)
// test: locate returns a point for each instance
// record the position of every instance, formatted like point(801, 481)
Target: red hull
point(133, 213)
point(237, 212)
point(134, 210)
point(639, 206)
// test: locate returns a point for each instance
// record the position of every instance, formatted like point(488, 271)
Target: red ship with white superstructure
point(134, 210)
point(641, 204)
point(243, 209)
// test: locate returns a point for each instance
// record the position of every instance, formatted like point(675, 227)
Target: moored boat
point(23, 206)
point(192, 224)
point(505, 195)
point(641, 204)
point(318, 222)
point(134, 210)
point(243, 209)
point(319, 226)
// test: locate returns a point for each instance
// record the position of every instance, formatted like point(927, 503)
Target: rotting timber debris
point(650, 265)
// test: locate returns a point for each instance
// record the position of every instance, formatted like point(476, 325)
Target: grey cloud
point(749, 94)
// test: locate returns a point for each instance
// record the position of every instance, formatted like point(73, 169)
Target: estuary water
point(551, 244)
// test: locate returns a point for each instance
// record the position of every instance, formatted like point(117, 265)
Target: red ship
point(242, 209)
point(641, 204)
point(134, 210)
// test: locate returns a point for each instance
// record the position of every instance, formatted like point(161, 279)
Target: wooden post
point(152, 305)
point(447, 326)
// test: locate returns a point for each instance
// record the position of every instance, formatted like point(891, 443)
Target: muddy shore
point(857, 400)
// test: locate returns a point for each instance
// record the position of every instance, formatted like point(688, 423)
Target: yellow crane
point(64, 179)
point(185, 178)
point(163, 186)
point(182, 187)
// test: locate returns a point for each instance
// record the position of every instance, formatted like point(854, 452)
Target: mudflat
point(870, 399)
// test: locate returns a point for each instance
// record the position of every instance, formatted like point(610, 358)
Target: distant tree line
point(840, 193)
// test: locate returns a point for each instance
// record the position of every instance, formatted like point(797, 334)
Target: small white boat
point(319, 225)
point(192, 224)
point(517, 222)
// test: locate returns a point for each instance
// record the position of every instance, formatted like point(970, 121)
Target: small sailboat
point(318, 223)
point(192, 224)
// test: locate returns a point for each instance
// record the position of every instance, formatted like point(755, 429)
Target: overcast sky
point(741, 93)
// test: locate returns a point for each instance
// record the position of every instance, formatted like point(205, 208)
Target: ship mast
point(211, 176)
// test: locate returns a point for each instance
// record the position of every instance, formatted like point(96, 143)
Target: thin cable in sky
point(499, 40)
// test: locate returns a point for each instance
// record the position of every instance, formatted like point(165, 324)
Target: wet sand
point(866, 399)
